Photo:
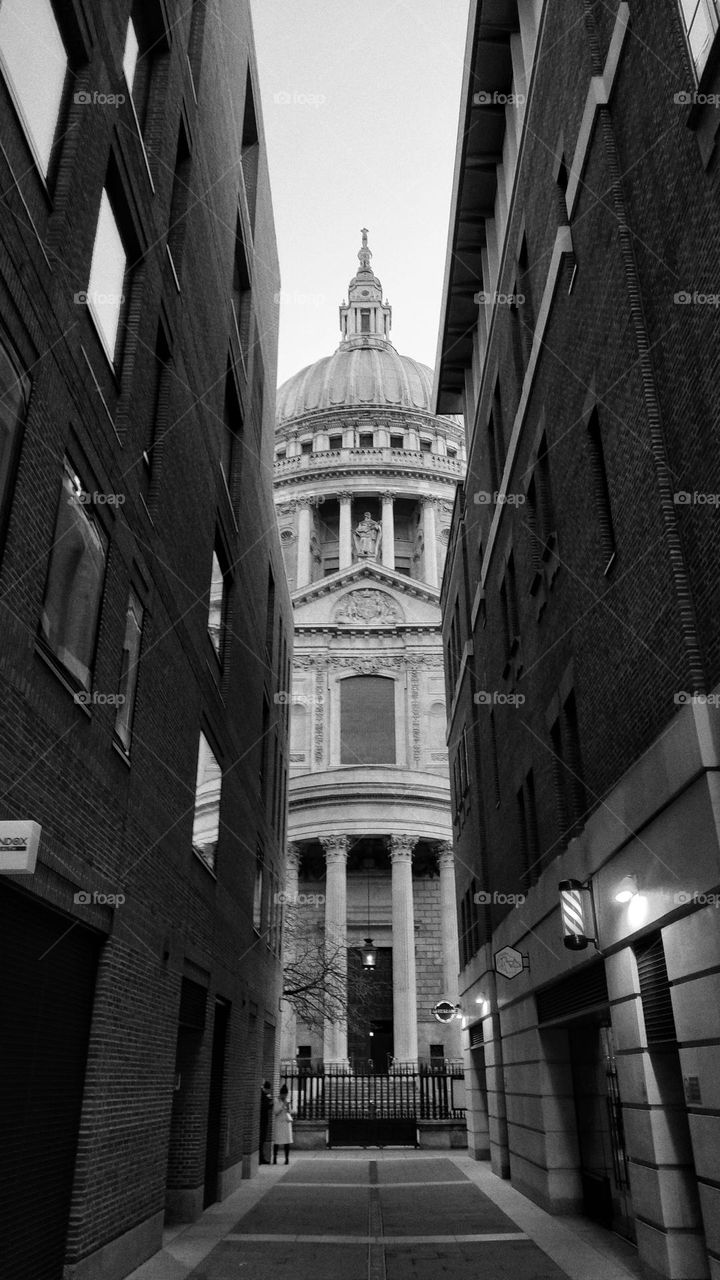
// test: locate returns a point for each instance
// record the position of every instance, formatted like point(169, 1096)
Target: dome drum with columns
point(365, 478)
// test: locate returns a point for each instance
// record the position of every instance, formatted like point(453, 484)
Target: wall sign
point(510, 962)
point(19, 843)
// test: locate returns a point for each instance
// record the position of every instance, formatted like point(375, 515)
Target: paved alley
point(386, 1216)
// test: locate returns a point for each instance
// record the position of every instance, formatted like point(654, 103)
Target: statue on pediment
point(367, 537)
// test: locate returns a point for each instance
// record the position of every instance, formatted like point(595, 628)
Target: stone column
point(336, 851)
point(430, 539)
point(388, 530)
point(403, 940)
point(288, 1026)
point(303, 545)
point(345, 548)
point(448, 921)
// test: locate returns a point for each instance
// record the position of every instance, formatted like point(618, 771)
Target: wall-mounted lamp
point(627, 889)
point(573, 912)
point(481, 998)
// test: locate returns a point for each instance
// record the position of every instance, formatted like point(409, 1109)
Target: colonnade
point(345, 540)
point(405, 1020)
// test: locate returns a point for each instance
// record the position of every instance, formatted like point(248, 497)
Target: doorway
point(215, 1103)
point(370, 1013)
point(601, 1139)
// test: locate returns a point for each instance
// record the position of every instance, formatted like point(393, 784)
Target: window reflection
point(34, 60)
point(107, 276)
point(208, 785)
point(75, 580)
point(129, 670)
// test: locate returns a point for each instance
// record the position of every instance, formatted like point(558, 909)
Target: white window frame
point(41, 159)
point(110, 350)
point(690, 11)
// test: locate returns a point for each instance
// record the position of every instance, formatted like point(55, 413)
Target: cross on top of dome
point(365, 320)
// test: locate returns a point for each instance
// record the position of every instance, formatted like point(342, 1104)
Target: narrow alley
point(386, 1216)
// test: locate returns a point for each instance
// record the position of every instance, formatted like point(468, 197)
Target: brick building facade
point(581, 613)
point(145, 624)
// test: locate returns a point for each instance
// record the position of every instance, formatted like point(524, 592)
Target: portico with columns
point(365, 478)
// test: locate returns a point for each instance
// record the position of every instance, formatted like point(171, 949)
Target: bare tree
point(318, 982)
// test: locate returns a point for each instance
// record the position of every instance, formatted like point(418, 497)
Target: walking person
point(282, 1125)
point(266, 1105)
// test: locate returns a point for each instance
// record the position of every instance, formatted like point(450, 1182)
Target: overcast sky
point(360, 103)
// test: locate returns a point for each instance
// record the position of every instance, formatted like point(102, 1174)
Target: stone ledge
point(442, 1134)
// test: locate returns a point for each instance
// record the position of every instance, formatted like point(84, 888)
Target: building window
point(397, 442)
point(367, 440)
point(130, 55)
point(160, 402)
point(701, 19)
point(145, 41)
point(14, 395)
point(241, 293)
point(454, 651)
point(298, 731)
point(206, 821)
point(231, 437)
point(425, 445)
point(571, 798)
point(367, 720)
point(601, 491)
point(494, 763)
point(34, 62)
point(527, 816)
point(509, 609)
point(258, 891)
point(270, 616)
point(218, 606)
point(129, 670)
point(250, 150)
point(541, 511)
point(195, 43)
point(179, 199)
point(106, 286)
point(364, 321)
point(74, 587)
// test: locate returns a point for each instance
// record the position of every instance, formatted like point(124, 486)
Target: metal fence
point(409, 1091)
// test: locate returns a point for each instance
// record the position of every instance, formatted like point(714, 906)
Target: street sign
point(510, 962)
point(19, 843)
point(444, 1011)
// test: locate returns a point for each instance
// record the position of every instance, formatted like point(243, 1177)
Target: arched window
point(367, 720)
point(14, 392)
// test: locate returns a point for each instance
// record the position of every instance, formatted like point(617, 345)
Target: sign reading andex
point(19, 842)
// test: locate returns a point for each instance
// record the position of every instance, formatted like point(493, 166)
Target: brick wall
point(124, 826)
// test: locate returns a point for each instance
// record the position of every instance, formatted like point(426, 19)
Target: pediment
point(366, 596)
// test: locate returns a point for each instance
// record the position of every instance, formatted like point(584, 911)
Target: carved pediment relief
point(367, 606)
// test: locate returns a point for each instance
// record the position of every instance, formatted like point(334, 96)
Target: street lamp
point(369, 952)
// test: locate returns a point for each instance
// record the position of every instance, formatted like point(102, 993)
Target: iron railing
point(409, 1091)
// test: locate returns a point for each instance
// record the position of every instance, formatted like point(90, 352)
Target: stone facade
point(365, 479)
